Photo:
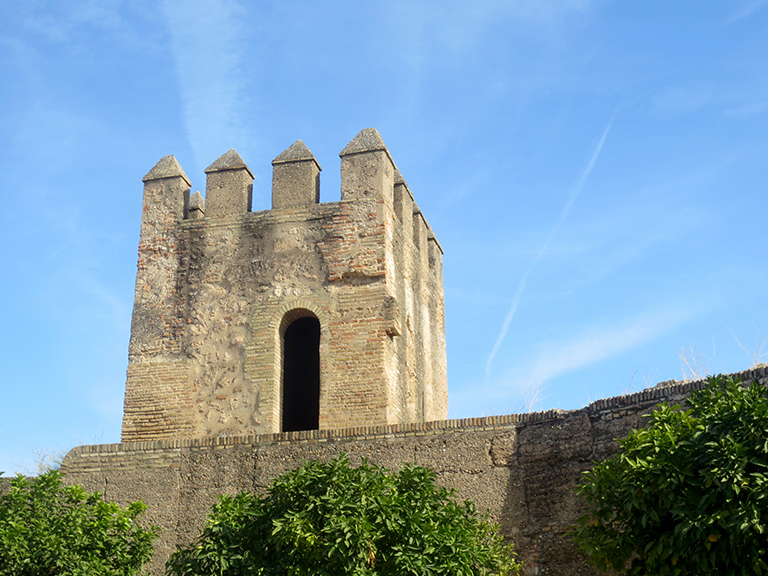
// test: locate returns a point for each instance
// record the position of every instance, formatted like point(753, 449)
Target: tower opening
point(301, 375)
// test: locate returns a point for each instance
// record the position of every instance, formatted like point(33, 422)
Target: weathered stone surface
point(460, 453)
point(532, 498)
point(295, 177)
point(565, 438)
point(196, 206)
point(229, 186)
point(504, 449)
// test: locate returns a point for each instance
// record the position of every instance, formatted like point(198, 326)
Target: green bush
point(333, 519)
point(47, 528)
point(687, 495)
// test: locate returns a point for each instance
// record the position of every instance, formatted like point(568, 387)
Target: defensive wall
point(522, 468)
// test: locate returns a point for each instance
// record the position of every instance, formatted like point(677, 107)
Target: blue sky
point(596, 171)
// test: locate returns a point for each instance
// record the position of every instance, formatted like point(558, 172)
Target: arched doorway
point(301, 375)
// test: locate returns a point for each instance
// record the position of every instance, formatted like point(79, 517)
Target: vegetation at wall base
point(689, 494)
point(333, 519)
point(47, 529)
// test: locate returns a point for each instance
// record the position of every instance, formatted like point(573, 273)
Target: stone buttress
point(306, 316)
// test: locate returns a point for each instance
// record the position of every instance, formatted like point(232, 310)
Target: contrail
point(207, 39)
point(563, 215)
point(508, 319)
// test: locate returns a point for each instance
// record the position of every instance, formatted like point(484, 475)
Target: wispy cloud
point(746, 11)
point(601, 342)
point(452, 35)
point(747, 110)
point(208, 40)
point(465, 24)
point(572, 196)
point(523, 386)
point(676, 100)
point(74, 26)
point(62, 25)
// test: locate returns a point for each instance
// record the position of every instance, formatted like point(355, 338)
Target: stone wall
point(217, 286)
point(523, 468)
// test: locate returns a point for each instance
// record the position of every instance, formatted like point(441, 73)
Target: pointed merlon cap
point(196, 210)
point(230, 160)
point(196, 201)
point(296, 152)
point(367, 140)
point(167, 167)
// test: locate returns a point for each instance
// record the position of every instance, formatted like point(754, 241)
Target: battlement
point(309, 315)
point(367, 171)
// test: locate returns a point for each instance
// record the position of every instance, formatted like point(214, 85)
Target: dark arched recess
point(301, 375)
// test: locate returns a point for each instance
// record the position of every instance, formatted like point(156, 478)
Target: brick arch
point(295, 309)
point(295, 314)
point(284, 316)
point(263, 363)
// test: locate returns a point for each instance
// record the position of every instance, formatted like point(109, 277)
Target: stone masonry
point(521, 468)
point(219, 286)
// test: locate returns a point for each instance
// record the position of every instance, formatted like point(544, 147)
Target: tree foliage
point(689, 494)
point(331, 518)
point(47, 528)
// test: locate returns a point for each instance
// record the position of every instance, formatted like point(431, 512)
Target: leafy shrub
point(47, 528)
point(334, 519)
point(689, 494)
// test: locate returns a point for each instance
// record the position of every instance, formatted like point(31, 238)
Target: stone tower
point(306, 316)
